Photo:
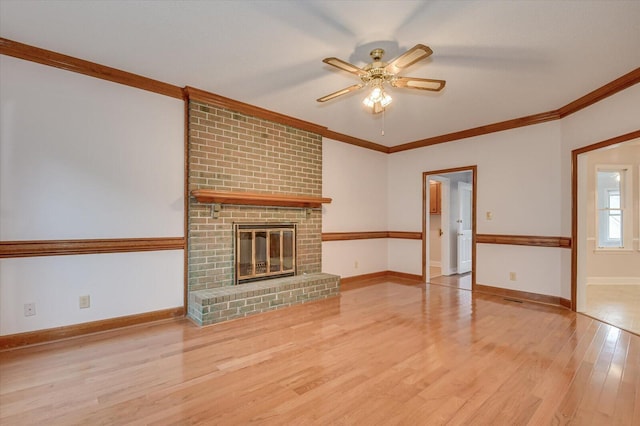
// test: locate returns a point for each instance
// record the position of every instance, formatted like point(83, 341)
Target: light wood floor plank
point(384, 352)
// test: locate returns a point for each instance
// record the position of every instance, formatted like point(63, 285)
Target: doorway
point(606, 270)
point(449, 221)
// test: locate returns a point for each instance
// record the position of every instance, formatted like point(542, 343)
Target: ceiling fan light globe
point(386, 100)
point(376, 94)
point(368, 102)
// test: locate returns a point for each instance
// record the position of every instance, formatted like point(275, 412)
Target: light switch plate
point(85, 302)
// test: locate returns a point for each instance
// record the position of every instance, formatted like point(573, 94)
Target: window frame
point(626, 208)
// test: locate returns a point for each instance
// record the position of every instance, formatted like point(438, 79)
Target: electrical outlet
point(512, 276)
point(489, 216)
point(29, 309)
point(85, 302)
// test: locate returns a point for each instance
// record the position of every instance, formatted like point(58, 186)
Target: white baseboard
point(435, 263)
point(613, 280)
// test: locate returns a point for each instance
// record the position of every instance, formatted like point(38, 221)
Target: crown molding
point(591, 98)
point(478, 131)
point(69, 63)
point(191, 93)
point(355, 141)
point(599, 94)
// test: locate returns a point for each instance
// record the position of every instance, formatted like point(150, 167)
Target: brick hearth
point(230, 302)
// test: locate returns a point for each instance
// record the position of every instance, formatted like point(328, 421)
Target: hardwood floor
point(618, 305)
point(384, 352)
point(459, 281)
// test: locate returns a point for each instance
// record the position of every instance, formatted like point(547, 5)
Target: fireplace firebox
point(264, 251)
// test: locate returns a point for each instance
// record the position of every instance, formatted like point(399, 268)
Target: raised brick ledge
point(215, 305)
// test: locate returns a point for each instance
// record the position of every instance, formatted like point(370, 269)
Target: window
point(612, 189)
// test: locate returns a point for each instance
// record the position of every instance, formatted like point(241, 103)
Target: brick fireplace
point(231, 152)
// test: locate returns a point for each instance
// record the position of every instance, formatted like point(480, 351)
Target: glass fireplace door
point(264, 251)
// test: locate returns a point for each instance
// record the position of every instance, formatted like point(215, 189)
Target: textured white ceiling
point(501, 59)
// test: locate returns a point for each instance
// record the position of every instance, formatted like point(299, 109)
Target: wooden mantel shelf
point(258, 199)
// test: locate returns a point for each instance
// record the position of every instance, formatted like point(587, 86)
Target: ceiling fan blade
point(419, 83)
point(410, 57)
point(345, 66)
point(340, 92)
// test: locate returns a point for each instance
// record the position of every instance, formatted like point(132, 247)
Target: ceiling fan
point(377, 73)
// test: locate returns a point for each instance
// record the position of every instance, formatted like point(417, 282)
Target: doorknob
point(441, 232)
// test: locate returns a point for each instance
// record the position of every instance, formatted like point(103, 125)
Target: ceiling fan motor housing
point(377, 54)
point(376, 72)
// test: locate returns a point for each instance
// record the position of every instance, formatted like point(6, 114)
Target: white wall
point(356, 180)
point(119, 284)
point(518, 175)
point(524, 179)
point(537, 268)
point(82, 158)
point(614, 116)
point(357, 257)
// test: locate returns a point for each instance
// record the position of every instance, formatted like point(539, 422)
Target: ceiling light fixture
point(375, 74)
point(378, 99)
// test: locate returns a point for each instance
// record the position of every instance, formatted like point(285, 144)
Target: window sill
point(612, 250)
